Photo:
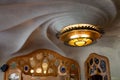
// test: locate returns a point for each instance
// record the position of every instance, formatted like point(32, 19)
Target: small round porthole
point(62, 69)
point(14, 76)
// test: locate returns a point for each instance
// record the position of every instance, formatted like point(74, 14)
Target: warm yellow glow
point(45, 72)
point(80, 34)
point(74, 36)
point(45, 66)
point(38, 70)
point(31, 71)
point(88, 41)
point(84, 35)
point(80, 42)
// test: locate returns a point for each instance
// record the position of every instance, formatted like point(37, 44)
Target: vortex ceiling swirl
point(31, 24)
point(19, 19)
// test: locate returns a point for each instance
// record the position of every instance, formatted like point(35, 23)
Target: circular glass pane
point(39, 70)
point(62, 69)
point(14, 76)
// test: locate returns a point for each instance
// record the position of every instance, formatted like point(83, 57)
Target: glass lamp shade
point(80, 35)
point(80, 41)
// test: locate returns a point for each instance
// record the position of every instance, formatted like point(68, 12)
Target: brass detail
point(80, 34)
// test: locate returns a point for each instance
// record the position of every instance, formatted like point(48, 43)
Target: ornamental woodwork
point(42, 63)
point(97, 67)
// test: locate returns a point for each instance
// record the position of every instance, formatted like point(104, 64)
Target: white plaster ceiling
point(27, 25)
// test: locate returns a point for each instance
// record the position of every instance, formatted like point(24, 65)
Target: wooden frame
point(35, 60)
point(97, 65)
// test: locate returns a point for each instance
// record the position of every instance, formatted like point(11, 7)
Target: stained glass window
point(97, 67)
point(42, 63)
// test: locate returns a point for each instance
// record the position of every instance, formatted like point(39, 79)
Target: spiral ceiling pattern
point(21, 18)
point(27, 25)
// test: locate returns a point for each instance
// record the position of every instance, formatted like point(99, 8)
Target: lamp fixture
point(80, 34)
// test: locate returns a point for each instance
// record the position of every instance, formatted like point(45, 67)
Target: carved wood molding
point(97, 65)
point(43, 62)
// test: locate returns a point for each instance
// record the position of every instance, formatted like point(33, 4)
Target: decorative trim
point(82, 26)
point(97, 65)
point(43, 63)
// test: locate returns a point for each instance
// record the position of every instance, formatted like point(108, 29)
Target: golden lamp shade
point(80, 34)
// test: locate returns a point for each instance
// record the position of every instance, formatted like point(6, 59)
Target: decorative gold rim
point(80, 31)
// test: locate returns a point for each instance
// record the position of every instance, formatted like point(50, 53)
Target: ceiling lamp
point(80, 34)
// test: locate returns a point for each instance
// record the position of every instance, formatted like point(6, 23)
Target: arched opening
point(97, 67)
point(42, 64)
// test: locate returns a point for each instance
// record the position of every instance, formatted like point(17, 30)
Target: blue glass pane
point(96, 60)
point(103, 65)
point(62, 69)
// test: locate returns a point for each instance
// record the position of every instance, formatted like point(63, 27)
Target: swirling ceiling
point(20, 18)
point(31, 24)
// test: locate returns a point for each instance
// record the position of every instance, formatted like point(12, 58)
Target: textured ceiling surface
point(27, 25)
